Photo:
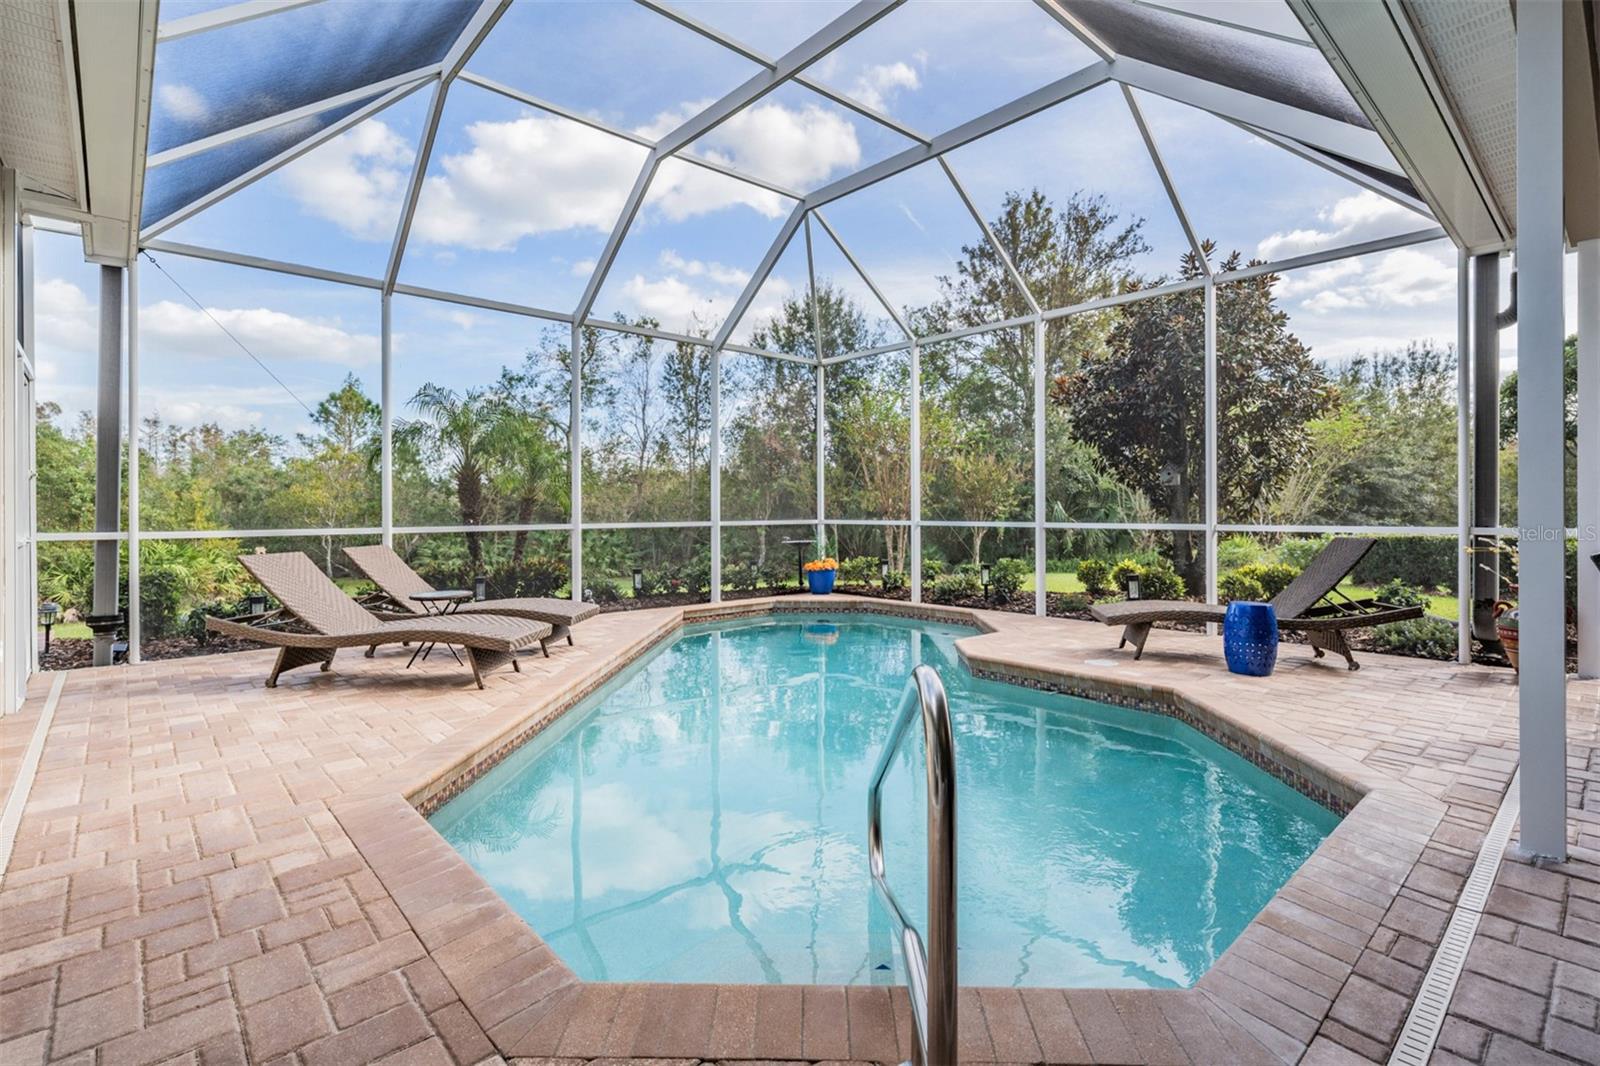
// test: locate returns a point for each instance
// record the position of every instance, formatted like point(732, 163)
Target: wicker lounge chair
point(339, 622)
point(1311, 604)
point(395, 578)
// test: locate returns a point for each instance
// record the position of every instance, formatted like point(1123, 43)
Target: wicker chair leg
point(483, 661)
point(544, 646)
point(1136, 634)
point(371, 651)
point(558, 631)
point(293, 658)
point(1333, 640)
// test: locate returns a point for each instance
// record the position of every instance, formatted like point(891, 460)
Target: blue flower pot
point(821, 581)
point(1250, 638)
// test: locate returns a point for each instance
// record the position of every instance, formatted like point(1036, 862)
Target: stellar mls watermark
point(1533, 534)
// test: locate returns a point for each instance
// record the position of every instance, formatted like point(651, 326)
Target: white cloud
point(182, 102)
point(1352, 219)
point(1374, 303)
point(355, 180)
point(274, 336)
point(64, 317)
point(694, 268)
point(583, 268)
point(535, 174)
point(793, 146)
point(878, 85)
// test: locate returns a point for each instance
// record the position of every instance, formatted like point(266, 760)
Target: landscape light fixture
point(883, 572)
point(480, 587)
point(47, 618)
point(983, 579)
point(1133, 588)
point(638, 582)
point(255, 603)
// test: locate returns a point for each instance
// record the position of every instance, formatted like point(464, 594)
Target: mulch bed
point(75, 653)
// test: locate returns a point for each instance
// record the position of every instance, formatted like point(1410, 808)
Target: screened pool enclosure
point(634, 300)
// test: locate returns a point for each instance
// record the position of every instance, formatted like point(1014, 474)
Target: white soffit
point(1472, 47)
point(1378, 55)
point(38, 120)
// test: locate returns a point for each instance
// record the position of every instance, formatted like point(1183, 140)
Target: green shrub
point(949, 588)
point(1427, 562)
point(161, 594)
point(858, 570)
point(1238, 550)
point(1400, 594)
point(1123, 572)
point(741, 577)
point(1073, 602)
point(541, 575)
point(897, 580)
point(1006, 578)
point(932, 570)
point(1094, 574)
point(1272, 577)
point(1161, 582)
point(1240, 586)
point(1428, 637)
point(605, 592)
point(776, 573)
point(1299, 551)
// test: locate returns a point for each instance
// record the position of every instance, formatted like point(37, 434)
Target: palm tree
point(529, 467)
point(456, 430)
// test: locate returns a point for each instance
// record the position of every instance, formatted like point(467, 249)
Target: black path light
point(47, 618)
point(883, 572)
point(480, 587)
point(256, 603)
point(983, 579)
point(638, 582)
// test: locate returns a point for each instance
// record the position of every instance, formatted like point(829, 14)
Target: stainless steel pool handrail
point(931, 972)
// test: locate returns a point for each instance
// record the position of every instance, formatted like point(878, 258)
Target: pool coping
point(1251, 1006)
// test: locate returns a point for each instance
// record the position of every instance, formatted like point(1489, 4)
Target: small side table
point(438, 602)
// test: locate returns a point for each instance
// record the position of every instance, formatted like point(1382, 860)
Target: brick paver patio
point(209, 871)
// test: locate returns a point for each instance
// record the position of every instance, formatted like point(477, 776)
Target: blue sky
point(517, 202)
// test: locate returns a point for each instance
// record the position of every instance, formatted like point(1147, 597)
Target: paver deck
point(209, 871)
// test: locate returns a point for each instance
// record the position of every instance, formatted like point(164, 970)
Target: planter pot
point(1508, 640)
point(1250, 638)
point(821, 581)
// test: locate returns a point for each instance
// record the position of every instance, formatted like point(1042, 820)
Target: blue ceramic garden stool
point(1250, 638)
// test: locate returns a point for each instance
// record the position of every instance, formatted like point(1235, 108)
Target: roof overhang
point(106, 55)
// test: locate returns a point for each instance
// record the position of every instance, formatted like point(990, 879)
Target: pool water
point(702, 817)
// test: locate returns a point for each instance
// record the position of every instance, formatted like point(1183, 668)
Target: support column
point(1212, 452)
point(386, 419)
point(135, 623)
point(107, 617)
point(716, 476)
point(916, 473)
point(1485, 443)
point(575, 459)
point(1589, 459)
point(1463, 458)
point(1541, 521)
point(1041, 596)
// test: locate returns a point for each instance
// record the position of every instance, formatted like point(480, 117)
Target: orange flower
point(825, 563)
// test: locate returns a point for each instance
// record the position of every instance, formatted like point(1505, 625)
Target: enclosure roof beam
point(1166, 179)
point(231, 15)
point(472, 35)
point(755, 56)
point(1331, 134)
point(1015, 111)
point(857, 18)
point(216, 140)
point(757, 279)
point(282, 159)
point(1333, 165)
point(844, 250)
point(988, 235)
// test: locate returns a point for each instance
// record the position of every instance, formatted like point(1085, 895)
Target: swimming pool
point(702, 817)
